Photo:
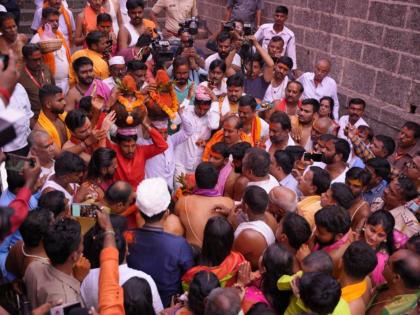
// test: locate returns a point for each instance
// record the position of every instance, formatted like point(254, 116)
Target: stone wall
point(374, 46)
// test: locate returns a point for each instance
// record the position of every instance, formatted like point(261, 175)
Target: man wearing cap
point(117, 69)
point(131, 157)
point(165, 257)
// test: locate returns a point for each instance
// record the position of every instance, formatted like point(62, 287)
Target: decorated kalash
point(154, 104)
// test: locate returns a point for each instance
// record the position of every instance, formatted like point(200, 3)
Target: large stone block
point(380, 57)
point(366, 32)
point(333, 24)
point(306, 18)
point(317, 39)
point(387, 13)
point(358, 78)
point(352, 8)
point(305, 58)
point(414, 98)
point(322, 5)
point(392, 89)
point(289, 3)
point(346, 48)
point(299, 33)
point(410, 67)
point(404, 41)
point(336, 68)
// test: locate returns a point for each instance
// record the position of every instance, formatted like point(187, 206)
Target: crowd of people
point(151, 176)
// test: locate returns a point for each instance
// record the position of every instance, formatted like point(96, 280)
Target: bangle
point(6, 94)
point(110, 232)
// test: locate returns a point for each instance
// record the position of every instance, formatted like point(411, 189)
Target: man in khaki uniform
point(176, 11)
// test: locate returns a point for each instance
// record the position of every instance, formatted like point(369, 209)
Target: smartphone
point(5, 60)
point(65, 308)
point(316, 157)
point(16, 162)
point(84, 210)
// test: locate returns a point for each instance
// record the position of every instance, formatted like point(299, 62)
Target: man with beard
point(230, 134)
point(354, 118)
point(236, 182)
point(117, 69)
point(408, 144)
point(291, 102)
point(138, 70)
point(34, 75)
point(84, 138)
point(335, 155)
point(276, 90)
point(59, 60)
point(302, 126)
point(332, 228)
point(228, 105)
point(96, 42)
point(224, 47)
point(280, 127)
point(83, 67)
point(219, 157)
point(130, 32)
point(9, 38)
point(318, 84)
point(51, 117)
point(254, 126)
point(181, 72)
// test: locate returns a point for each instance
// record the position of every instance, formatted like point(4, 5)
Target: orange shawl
point(256, 130)
point(219, 137)
point(67, 20)
point(226, 272)
point(89, 22)
point(49, 58)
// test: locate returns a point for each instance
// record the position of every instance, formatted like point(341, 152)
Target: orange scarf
point(354, 291)
point(219, 137)
point(49, 58)
point(89, 23)
point(67, 20)
point(256, 130)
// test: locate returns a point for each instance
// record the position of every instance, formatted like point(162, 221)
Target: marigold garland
point(170, 111)
point(129, 106)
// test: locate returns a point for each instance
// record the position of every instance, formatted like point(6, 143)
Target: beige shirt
point(177, 11)
point(44, 283)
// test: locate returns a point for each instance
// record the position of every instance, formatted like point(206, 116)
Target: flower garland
point(170, 111)
point(129, 106)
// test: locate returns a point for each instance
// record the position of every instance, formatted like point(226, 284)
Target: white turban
point(153, 196)
point(116, 60)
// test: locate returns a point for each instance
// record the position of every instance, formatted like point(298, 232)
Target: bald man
point(402, 273)
point(223, 301)
point(42, 146)
point(318, 84)
point(281, 200)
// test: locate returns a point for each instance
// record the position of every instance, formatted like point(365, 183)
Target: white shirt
point(163, 164)
point(344, 120)
point(276, 93)
point(266, 31)
point(61, 62)
point(290, 182)
point(188, 154)
point(90, 293)
point(19, 101)
point(328, 87)
point(258, 226)
point(236, 60)
point(268, 143)
point(339, 179)
point(62, 26)
point(267, 184)
point(109, 82)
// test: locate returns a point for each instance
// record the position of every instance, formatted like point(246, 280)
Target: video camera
point(191, 25)
point(229, 26)
point(248, 29)
point(162, 50)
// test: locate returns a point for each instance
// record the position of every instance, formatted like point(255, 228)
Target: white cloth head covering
point(153, 196)
point(160, 124)
point(116, 60)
